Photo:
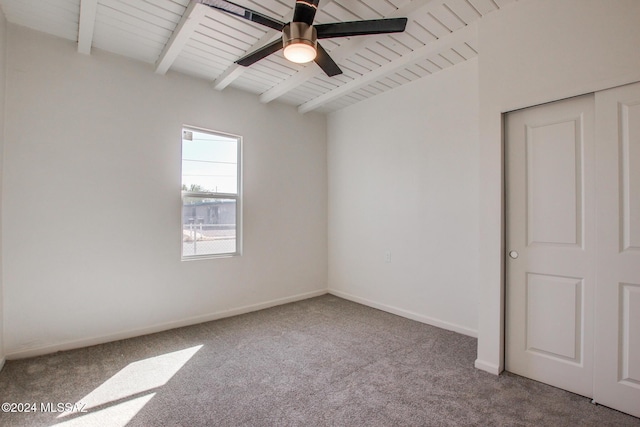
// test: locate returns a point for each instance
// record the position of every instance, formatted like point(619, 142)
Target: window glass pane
point(208, 226)
point(209, 162)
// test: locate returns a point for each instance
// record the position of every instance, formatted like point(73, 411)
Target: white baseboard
point(85, 342)
point(487, 367)
point(406, 313)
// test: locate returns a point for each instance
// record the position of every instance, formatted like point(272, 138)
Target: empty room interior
point(434, 220)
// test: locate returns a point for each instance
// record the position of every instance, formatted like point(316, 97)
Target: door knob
point(513, 254)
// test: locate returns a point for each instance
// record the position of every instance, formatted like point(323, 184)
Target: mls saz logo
point(63, 407)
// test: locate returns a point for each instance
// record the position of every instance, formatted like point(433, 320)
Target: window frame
point(213, 195)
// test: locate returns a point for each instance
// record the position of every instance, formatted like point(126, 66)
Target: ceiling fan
point(300, 37)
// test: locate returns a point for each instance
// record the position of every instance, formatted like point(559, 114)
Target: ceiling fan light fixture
point(299, 41)
point(300, 53)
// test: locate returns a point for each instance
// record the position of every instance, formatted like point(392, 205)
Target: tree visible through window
point(210, 193)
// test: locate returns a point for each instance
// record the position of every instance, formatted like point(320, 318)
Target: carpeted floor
point(320, 362)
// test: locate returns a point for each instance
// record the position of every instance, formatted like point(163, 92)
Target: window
point(210, 194)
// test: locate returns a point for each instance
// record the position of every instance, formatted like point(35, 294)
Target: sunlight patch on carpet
point(123, 395)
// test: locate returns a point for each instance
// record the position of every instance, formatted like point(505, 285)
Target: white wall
point(536, 51)
point(2, 93)
point(92, 199)
point(403, 178)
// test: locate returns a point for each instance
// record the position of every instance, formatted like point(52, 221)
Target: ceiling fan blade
point(327, 64)
point(305, 11)
point(361, 28)
point(243, 12)
point(264, 51)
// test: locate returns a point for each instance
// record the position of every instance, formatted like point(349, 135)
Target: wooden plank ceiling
point(190, 38)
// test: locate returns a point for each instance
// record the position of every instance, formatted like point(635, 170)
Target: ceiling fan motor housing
point(299, 32)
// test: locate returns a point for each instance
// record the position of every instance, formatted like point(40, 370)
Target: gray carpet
point(320, 362)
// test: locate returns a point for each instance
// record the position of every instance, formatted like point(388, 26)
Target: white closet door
point(617, 328)
point(550, 189)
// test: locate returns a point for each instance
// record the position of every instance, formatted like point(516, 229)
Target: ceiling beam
point(462, 35)
point(234, 71)
point(229, 75)
point(87, 22)
point(192, 17)
point(339, 53)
